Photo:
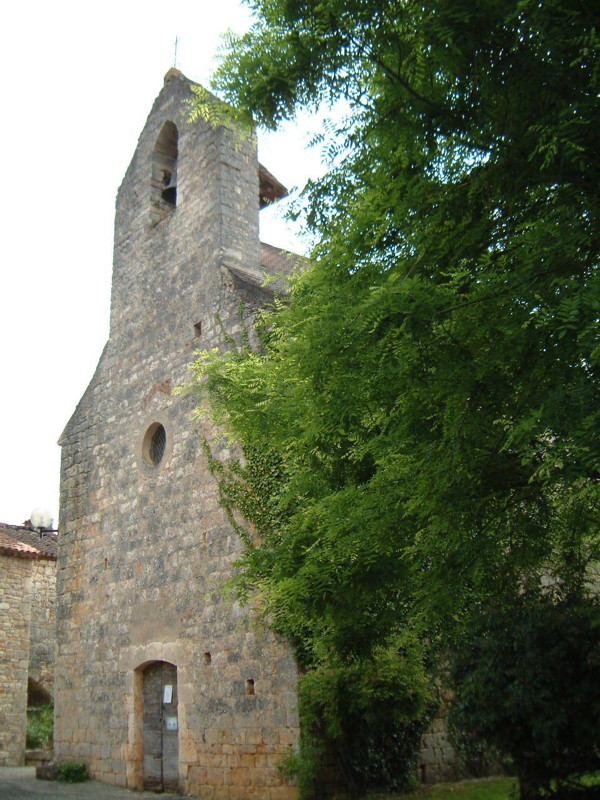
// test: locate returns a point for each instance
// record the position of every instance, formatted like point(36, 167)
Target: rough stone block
point(47, 772)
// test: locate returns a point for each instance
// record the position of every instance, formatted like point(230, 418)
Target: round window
point(154, 445)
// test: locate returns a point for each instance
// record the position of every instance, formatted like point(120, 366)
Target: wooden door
point(161, 736)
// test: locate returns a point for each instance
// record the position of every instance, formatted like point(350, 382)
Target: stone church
point(163, 681)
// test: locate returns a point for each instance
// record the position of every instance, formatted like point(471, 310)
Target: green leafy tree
point(420, 426)
point(515, 677)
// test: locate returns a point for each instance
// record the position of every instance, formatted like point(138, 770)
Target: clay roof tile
point(18, 541)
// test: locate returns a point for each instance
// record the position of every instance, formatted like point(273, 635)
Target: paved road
point(20, 783)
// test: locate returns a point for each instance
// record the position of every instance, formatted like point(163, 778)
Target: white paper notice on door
point(171, 723)
point(168, 694)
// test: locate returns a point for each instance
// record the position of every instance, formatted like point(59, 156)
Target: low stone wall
point(38, 758)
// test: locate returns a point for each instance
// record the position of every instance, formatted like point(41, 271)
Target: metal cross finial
point(175, 51)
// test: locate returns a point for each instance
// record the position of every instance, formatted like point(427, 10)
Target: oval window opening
point(155, 443)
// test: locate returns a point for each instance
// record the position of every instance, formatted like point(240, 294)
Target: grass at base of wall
point(480, 789)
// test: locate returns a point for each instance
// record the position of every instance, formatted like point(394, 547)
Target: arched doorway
point(161, 728)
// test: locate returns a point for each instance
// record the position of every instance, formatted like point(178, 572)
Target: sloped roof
point(18, 541)
point(275, 267)
point(270, 189)
point(277, 261)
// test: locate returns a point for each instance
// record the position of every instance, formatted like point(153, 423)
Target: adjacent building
point(27, 632)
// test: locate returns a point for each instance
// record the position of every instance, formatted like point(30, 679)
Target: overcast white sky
point(78, 81)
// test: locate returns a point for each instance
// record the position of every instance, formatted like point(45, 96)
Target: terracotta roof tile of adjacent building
point(278, 261)
point(275, 267)
point(16, 540)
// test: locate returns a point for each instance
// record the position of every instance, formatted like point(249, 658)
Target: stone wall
point(146, 551)
point(15, 613)
point(42, 652)
point(437, 759)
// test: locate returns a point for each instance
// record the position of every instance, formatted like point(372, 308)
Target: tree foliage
point(515, 680)
point(420, 426)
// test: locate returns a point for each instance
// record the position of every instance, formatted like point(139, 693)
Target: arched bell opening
point(164, 172)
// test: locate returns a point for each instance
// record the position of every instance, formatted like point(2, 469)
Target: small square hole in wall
point(249, 686)
point(198, 330)
point(207, 658)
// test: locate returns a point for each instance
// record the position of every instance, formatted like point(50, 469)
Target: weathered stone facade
point(42, 648)
point(437, 759)
point(15, 577)
point(27, 631)
point(145, 549)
